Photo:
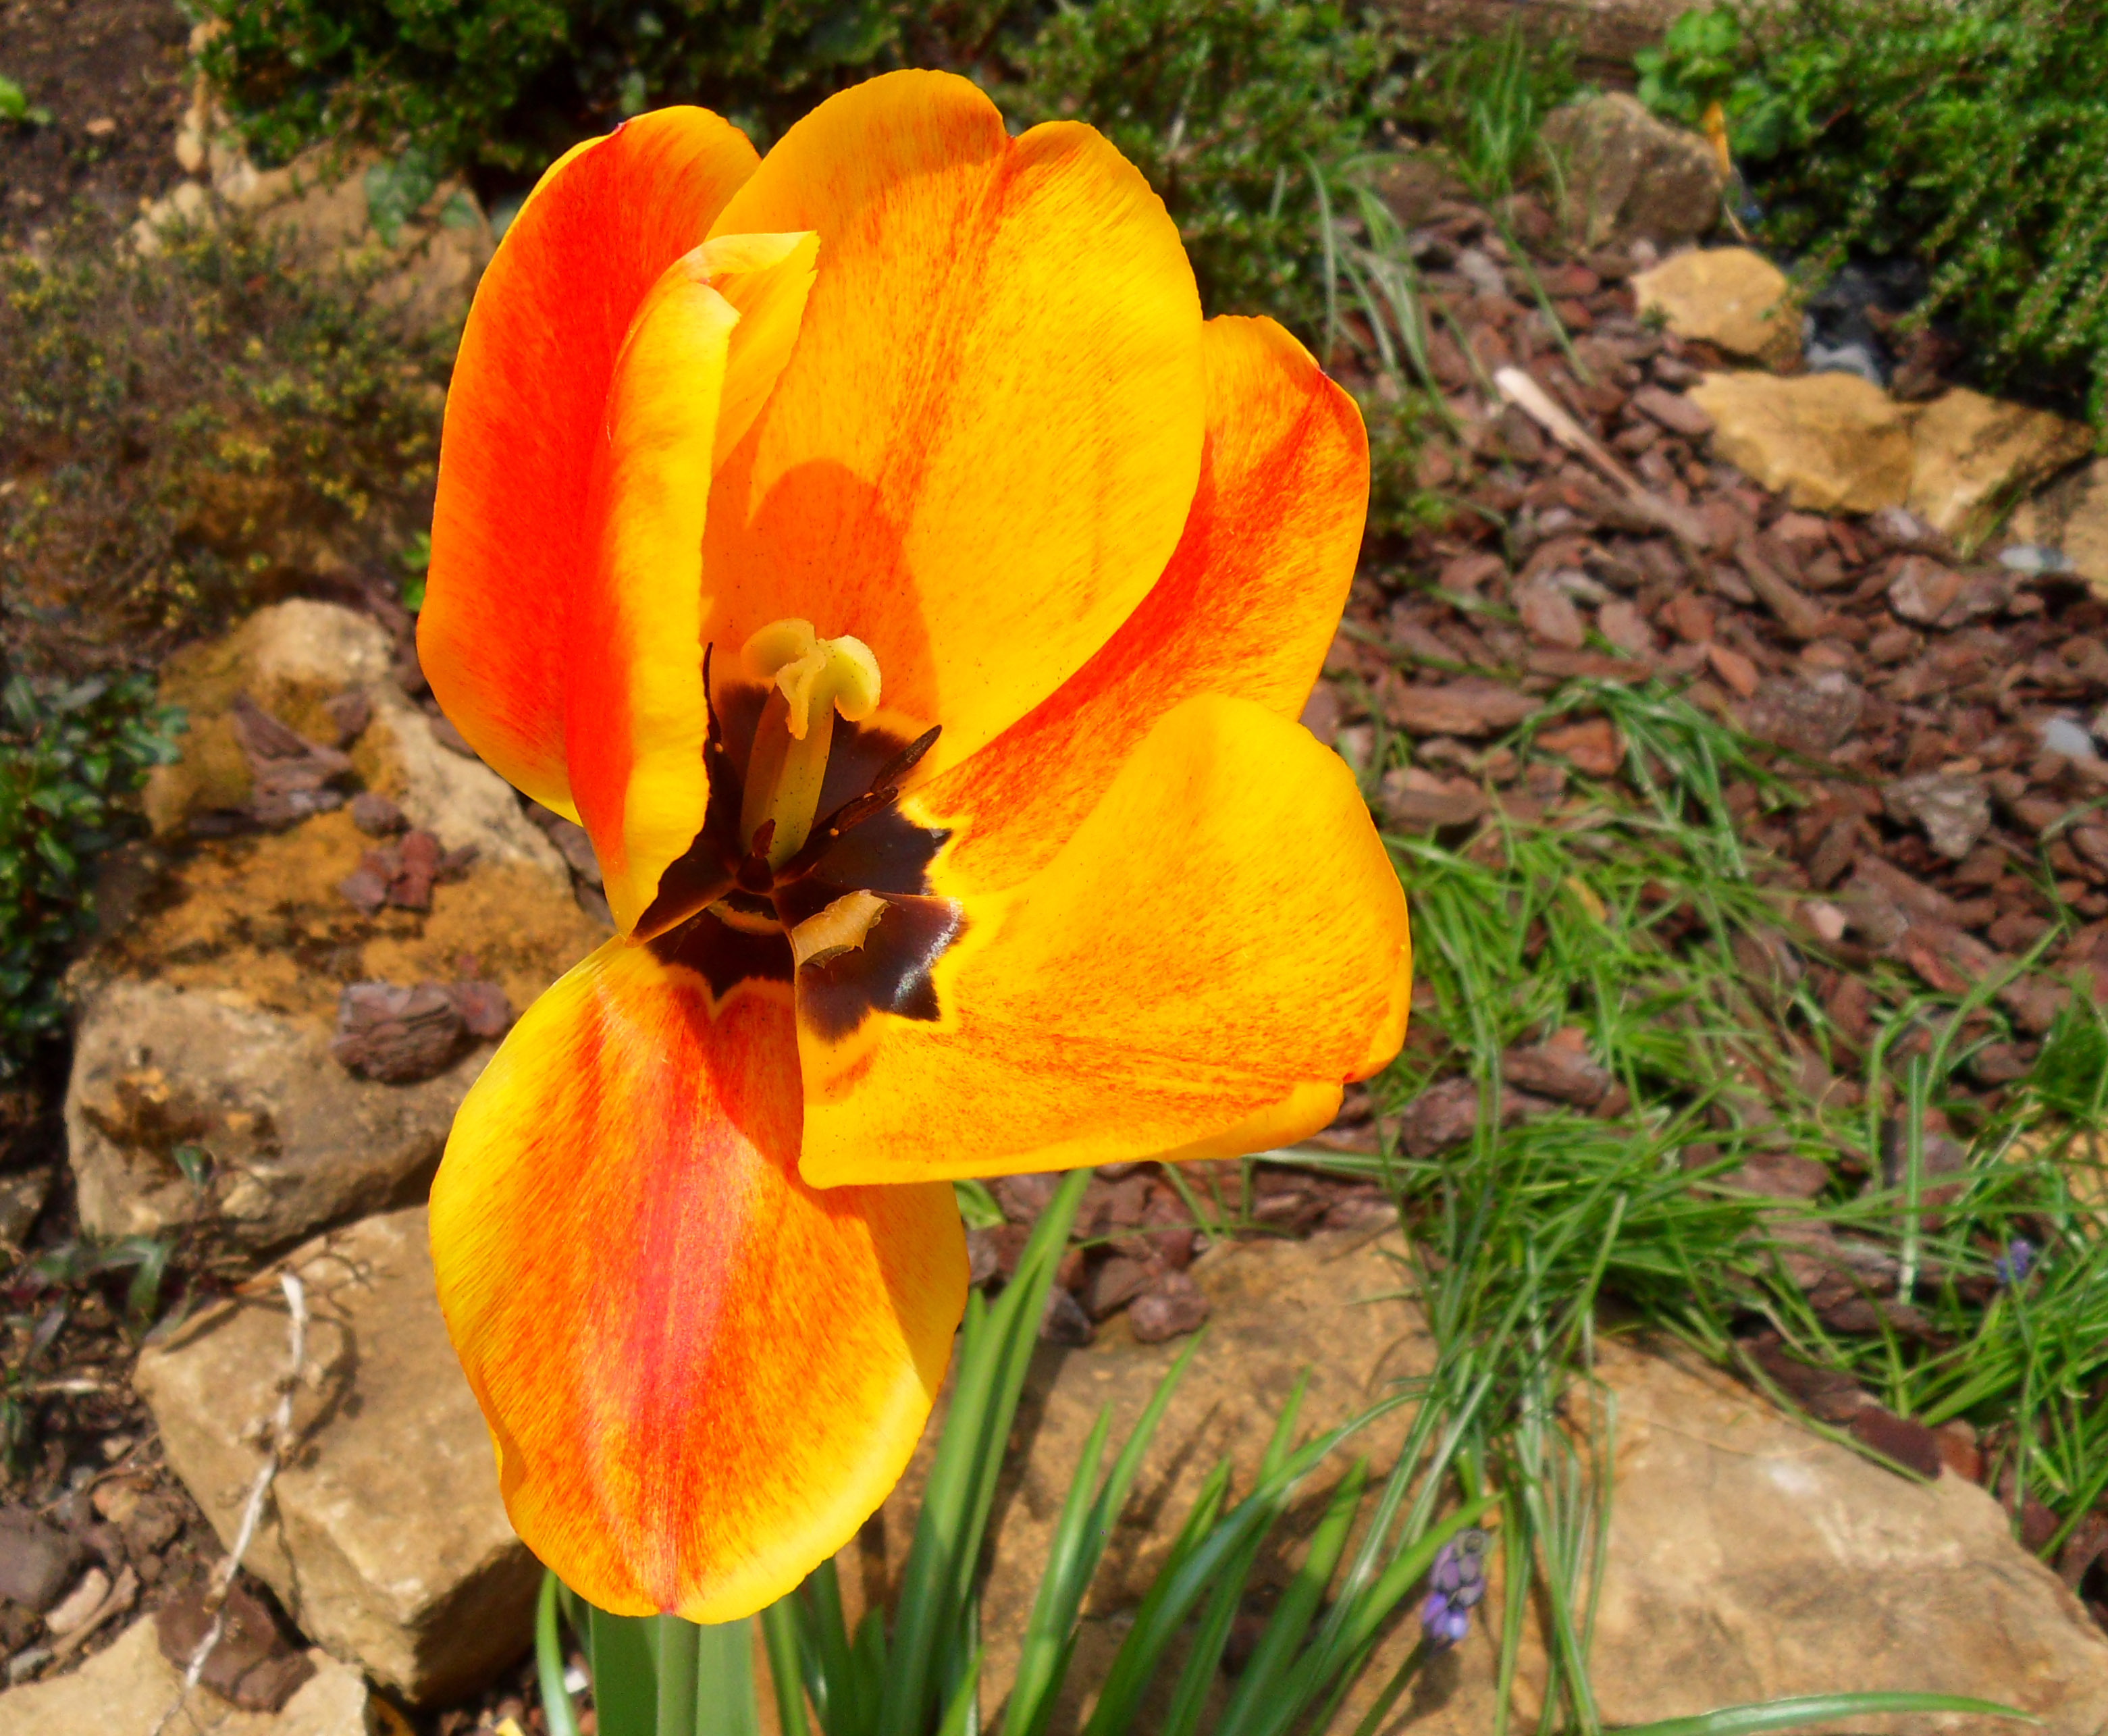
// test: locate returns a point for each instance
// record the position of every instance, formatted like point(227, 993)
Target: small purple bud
point(1457, 1581)
point(2013, 1266)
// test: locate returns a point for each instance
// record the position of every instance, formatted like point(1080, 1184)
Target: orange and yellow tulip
point(913, 597)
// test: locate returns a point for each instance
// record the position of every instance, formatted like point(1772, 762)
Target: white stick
point(277, 1446)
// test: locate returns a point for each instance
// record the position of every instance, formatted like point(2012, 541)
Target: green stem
point(674, 1648)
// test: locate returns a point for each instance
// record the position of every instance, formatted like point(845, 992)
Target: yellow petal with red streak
point(1218, 948)
point(700, 1375)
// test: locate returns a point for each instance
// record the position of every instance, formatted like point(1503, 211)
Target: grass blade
point(786, 1671)
point(1298, 1607)
point(1816, 1708)
point(937, 1582)
point(557, 1710)
point(1178, 1588)
point(1078, 1543)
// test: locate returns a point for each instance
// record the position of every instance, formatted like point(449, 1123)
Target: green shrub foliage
point(507, 84)
point(1973, 138)
point(70, 752)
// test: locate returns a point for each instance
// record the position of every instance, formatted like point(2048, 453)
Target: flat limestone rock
point(124, 1689)
point(2071, 514)
point(290, 1140)
point(1732, 298)
point(1828, 442)
point(1751, 1560)
point(385, 1540)
point(1970, 454)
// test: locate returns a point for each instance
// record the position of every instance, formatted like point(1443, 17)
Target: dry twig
point(279, 1442)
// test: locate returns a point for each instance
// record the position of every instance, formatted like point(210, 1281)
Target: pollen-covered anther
point(813, 679)
point(840, 928)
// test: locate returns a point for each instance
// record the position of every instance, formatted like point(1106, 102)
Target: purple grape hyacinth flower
point(1455, 1585)
point(2013, 1266)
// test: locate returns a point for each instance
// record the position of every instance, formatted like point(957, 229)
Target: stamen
point(840, 928)
point(814, 679)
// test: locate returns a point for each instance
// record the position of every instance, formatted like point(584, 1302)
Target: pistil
point(811, 679)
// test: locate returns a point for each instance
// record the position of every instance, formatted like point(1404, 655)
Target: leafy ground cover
point(1968, 142)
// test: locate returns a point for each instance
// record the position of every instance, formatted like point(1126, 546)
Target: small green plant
point(69, 754)
point(1225, 106)
point(1482, 100)
point(16, 109)
point(1770, 108)
point(1970, 139)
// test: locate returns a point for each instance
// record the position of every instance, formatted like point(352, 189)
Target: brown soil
point(112, 75)
point(262, 915)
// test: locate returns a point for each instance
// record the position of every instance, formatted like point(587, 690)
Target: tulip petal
point(982, 452)
point(701, 356)
point(1246, 607)
point(1218, 948)
point(700, 1375)
point(511, 531)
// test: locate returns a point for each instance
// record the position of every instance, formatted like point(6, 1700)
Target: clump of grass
point(1643, 920)
point(183, 435)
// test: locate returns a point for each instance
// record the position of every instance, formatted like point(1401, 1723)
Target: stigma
point(810, 681)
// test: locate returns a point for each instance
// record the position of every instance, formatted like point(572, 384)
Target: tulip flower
point(873, 548)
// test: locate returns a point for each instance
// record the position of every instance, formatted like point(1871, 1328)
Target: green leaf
point(995, 1350)
point(557, 1709)
point(625, 1672)
point(977, 1206)
point(786, 1675)
point(723, 1702)
point(1820, 1708)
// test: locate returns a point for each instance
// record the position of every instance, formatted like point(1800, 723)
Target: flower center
point(806, 867)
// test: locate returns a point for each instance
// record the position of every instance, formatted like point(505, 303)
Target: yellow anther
point(814, 679)
point(840, 928)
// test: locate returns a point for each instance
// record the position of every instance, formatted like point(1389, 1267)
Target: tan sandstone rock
point(1626, 174)
point(385, 1540)
point(125, 1690)
point(1971, 455)
point(1750, 1560)
point(1729, 297)
point(290, 658)
point(2071, 514)
point(332, 208)
point(290, 1140)
point(460, 799)
point(1829, 442)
